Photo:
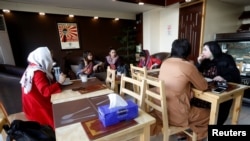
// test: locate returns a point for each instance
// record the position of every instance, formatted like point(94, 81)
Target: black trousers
point(224, 111)
point(224, 108)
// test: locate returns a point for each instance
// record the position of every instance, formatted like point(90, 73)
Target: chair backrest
point(135, 71)
point(110, 79)
point(155, 99)
point(3, 117)
point(126, 89)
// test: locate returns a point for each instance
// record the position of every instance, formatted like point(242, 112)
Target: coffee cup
point(84, 77)
point(67, 79)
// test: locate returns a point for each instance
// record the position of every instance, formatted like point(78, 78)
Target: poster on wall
point(68, 35)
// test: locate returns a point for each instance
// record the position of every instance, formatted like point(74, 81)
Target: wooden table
point(68, 94)
point(215, 99)
point(153, 74)
point(76, 131)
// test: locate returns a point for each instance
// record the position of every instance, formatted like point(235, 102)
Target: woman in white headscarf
point(38, 85)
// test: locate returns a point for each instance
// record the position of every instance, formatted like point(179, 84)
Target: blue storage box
point(115, 115)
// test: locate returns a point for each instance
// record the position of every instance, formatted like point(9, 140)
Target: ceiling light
point(41, 13)
point(116, 19)
point(71, 15)
point(188, 0)
point(95, 17)
point(141, 3)
point(6, 10)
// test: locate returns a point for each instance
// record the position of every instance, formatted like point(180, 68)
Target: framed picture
point(68, 33)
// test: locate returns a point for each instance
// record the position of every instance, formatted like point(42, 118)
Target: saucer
point(67, 83)
point(208, 79)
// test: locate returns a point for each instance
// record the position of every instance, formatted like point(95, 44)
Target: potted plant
point(127, 49)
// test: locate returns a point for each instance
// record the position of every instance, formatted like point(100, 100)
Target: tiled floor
point(243, 119)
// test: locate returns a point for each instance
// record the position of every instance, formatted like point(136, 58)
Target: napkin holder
point(110, 116)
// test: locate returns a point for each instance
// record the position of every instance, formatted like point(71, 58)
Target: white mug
point(84, 77)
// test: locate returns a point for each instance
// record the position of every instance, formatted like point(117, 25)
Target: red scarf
point(88, 69)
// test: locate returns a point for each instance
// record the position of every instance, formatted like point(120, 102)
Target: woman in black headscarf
point(219, 66)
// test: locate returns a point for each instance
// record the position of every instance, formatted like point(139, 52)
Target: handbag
point(29, 131)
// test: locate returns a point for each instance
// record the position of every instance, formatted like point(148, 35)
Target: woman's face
point(90, 56)
point(206, 53)
point(112, 53)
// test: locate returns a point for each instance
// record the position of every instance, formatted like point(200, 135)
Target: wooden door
point(190, 24)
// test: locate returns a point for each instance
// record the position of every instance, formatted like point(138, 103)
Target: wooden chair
point(137, 73)
point(155, 91)
point(111, 80)
point(7, 119)
point(3, 117)
point(125, 89)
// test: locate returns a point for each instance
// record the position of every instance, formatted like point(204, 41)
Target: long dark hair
point(85, 56)
point(214, 48)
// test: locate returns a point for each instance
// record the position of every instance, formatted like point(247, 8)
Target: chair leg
point(194, 137)
point(116, 89)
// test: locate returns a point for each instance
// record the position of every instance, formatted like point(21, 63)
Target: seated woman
point(148, 61)
point(88, 65)
point(112, 60)
point(115, 62)
point(38, 84)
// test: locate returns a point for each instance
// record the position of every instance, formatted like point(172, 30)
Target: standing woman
point(219, 66)
point(38, 85)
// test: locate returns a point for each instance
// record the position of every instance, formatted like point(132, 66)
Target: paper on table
point(116, 101)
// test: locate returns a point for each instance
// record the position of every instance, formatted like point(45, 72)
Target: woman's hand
point(200, 58)
point(95, 67)
point(218, 78)
point(62, 78)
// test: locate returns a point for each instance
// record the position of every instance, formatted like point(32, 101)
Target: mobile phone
point(219, 90)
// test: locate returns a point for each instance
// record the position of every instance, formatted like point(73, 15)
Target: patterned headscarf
point(39, 59)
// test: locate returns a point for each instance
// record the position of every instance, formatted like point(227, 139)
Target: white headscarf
point(39, 59)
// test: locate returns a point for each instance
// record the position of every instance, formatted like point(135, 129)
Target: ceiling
point(101, 8)
point(93, 5)
point(104, 5)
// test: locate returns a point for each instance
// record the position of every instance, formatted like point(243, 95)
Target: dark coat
point(226, 68)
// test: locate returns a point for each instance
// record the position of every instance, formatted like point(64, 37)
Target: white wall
point(169, 26)
point(160, 28)
point(220, 18)
point(151, 28)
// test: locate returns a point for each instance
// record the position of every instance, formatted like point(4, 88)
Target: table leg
point(237, 107)
point(146, 134)
point(214, 112)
